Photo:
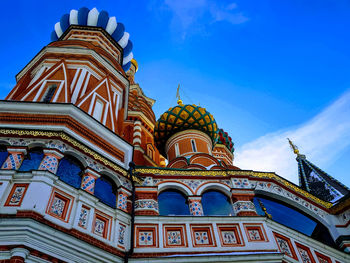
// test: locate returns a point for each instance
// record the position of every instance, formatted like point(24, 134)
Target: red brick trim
point(321, 256)
point(258, 227)
point(68, 199)
point(161, 254)
point(291, 248)
point(237, 232)
point(306, 249)
point(73, 232)
point(152, 228)
point(33, 252)
point(7, 203)
point(203, 228)
point(173, 227)
point(345, 225)
point(107, 224)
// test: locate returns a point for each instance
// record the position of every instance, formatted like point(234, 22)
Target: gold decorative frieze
point(67, 139)
point(266, 175)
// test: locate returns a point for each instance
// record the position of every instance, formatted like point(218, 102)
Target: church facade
point(89, 175)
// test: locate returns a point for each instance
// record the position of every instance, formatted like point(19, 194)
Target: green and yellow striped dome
point(184, 117)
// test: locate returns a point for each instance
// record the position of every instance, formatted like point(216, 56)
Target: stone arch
point(216, 199)
point(173, 199)
point(33, 157)
point(111, 176)
point(195, 167)
point(106, 189)
point(36, 144)
point(4, 143)
point(71, 169)
point(204, 160)
point(179, 162)
point(217, 186)
point(294, 204)
point(173, 185)
point(77, 156)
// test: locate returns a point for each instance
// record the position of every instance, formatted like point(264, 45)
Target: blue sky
point(264, 69)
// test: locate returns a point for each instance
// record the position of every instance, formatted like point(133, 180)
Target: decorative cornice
point(231, 173)
point(67, 139)
point(70, 119)
point(142, 116)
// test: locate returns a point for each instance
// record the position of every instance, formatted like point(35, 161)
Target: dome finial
point(293, 146)
point(179, 101)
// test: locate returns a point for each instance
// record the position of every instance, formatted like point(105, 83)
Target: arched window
point(194, 147)
point(172, 202)
point(70, 171)
point(32, 160)
point(215, 203)
point(3, 154)
point(291, 217)
point(106, 191)
point(49, 93)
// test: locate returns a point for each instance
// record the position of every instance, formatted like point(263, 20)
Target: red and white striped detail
point(137, 133)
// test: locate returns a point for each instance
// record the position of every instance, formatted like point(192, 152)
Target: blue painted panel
point(32, 160)
point(172, 202)
point(54, 36)
point(103, 19)
point(83, 16)
point(127, 66)
point(215, 203)
point(128, 48)
point(69, 171)
point(64, 22)
point(119, 32)
point(105, 190)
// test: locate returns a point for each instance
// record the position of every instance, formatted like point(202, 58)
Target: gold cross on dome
point(179, 101)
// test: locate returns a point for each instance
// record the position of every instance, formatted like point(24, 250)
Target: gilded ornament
point(66, 138)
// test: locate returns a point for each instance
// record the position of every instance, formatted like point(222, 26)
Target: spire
point(179, 101)
point(293, 146)
point(316, 181)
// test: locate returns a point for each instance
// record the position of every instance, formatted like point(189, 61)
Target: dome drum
point(187, 143)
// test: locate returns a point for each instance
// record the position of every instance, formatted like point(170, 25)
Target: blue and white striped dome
point(86, 17)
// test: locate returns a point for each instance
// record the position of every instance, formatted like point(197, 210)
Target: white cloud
point(186, 12)
point(321, 139)
point(192, 14)
point(226, 14)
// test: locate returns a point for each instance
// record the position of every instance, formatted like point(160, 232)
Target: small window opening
point(49, 93)
point(194, 148)
point(177, 150)
point(150, 152)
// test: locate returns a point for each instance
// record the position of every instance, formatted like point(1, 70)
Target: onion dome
point(184, 117)
point(226, 140)
point(86, 17)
